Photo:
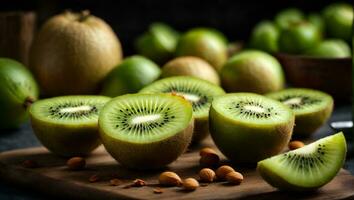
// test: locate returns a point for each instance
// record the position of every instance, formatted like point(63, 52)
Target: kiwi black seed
point(312, 108)
point(306, 168)
point(198, 92)
point(67, 125)
point(146, 131)
point(247, 122)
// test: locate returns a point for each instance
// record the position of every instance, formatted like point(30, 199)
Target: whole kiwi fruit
point(208, 44)
point(18, 90)
point(72, 53)
point(191, 66)
point(252, 71)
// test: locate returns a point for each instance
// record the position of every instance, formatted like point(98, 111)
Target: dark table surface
point(23, 137)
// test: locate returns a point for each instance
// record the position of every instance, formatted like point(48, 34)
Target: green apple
point(285, 18)
point(265, 37)
point(333, 48)
point(339, 19)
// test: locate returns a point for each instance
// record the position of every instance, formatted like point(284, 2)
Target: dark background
point(130, 18)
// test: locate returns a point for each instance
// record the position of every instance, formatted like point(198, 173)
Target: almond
point(234, 178)
point(206, 151)
point(139, 183)
point(190, 184)
point(209, 160)
point(169, 179)
point(207, 175)
point(222, 171)
point(76, 163)
point(295, 144)
point(115, 182)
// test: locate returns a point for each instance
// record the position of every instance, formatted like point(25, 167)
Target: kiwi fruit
point(285, 18)
point(312, 108)
point(146, 131)
point(306, 168)
point(130, 76)
point(198, 92)
point(191, 66)
point(68, 125)
point(339, 19)
point(265, 36)
point(252, 71)
point(248, 127)
point(208, 44)
point(299, 37)
point(331, 48)
point(18, 90)
point(158, 43)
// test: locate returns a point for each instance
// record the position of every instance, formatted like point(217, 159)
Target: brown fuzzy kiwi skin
point(148, 156)
point(306, 125)
point(66, 141)
point(191, 66)
point(201, 130)
point(248, 144)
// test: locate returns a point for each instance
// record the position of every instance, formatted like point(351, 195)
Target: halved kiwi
point(312, 108)
point(198, 92)
point(67, 125)
point(307, 168)
point(248, 127)
point(144, 131)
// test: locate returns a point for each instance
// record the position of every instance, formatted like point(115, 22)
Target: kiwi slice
point(198, 92)
point(307, 168)
point(249, 127)
point(67, 125)
point(312, 108)
point(145, 131)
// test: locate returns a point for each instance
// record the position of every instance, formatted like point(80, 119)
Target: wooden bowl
point(331, 75)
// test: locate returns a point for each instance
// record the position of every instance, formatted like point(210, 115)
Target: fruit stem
point(84, 15)
point(28, 102)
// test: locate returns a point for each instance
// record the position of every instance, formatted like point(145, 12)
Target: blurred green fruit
point(298, 38)
point(285, 18)
point(18, 90)
point(339, 19)
point(252, 71)
point(265, 37)
point(158, 43)
point(317, 20)
point(205, 43)
point(130, 76)
point(334, 48)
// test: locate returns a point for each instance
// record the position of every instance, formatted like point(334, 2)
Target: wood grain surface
point(54, 178)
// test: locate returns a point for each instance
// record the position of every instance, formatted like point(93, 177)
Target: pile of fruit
point(147, 116)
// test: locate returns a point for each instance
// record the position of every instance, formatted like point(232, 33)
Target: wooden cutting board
point(52, 177)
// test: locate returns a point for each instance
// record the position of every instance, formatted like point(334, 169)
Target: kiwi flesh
point(146, 131)
point(68, 125)
point(248, 127)
point(306, 168)
point(199, 93)
point(312, 108)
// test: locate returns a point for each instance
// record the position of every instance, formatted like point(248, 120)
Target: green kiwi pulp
point(248, 127)
point(307, 168)
point(198, 92)
point(67, 125)
point(145, 131)
point(312, 108)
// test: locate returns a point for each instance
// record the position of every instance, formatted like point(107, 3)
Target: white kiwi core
point(76, 109)
point(145, 118)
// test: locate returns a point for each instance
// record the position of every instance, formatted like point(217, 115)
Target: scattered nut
point(115, 182)
point(190, 184)
point(94, 178)
point(206, 151)
point(234, 178)
point(76, 163)
point(30, 164)
point(207, 175)
point(222, 171)
point(295, 144)
point(158, 190)
point(139, 183)
point(169, 179)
